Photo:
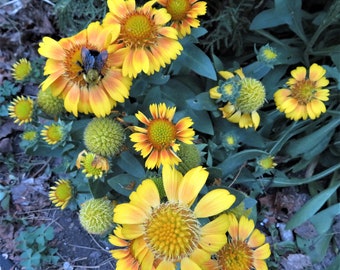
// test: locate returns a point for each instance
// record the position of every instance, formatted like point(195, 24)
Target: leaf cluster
point(33, 244)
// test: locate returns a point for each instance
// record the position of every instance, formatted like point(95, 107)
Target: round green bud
point(49, 104)
point(96, 215)
point(104, 136)
point(190, 156)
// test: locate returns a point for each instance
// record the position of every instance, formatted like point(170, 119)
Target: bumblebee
point(92, 64)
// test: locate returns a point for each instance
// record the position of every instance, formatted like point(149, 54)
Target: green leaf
point(98, 188)
point(196, 60)
point(313, 143)
point(311, 207)
point(124, 183)
point(315, 248)
point(130, 164)
point(202, 102)
point(323, 220)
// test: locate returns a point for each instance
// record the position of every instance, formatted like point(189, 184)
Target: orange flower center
point(161, 133)
point(172, 232)
point(138, 30)
point(235, 255)
point(178, 9)
point(303, 91)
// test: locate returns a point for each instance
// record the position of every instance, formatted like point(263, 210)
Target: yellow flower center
point(178, 9)
point(21, 69)
point(138, 30)
point(23, 110)
point(161, 133)
point(267, 163)
point(252, 95)
point(304, 91)
point(269, 54)
point(230, 140)
point(172, 232)
point(235, 255)
point(63, 192)
point(54, 134)
point(29, 135)
point(94, 165)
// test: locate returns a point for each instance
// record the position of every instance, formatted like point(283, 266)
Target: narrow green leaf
point(311, 207)
point(325, 218)
point(130, 164)
point(195, 59)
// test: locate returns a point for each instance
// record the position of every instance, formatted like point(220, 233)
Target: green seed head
point(104, 136)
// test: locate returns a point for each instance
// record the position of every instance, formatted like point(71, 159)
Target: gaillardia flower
point(243, 97)
point(158, 139)
point(93, 165)
point(21, 109)
point(170, 233)
point(61, 194)
point(95, 215)
point(305, 95)
point(53, 133)
point(85, 70)
point(184, 14)
point(246, 248)
point(21, 69)
point(104, 136)
point(145, 42)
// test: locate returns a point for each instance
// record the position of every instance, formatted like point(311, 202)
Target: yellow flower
point(244, 96)
point(158, 139)
point(85, 70)
point(53, 134)
point(266, 163)
point(49, 104)
point(61, 194)
point(94, 165)
point(30, 135)
point(305, 95)
point(170, 232)
point(21, 69)
point(145, 42)
point(246, 248)
point(184, 14)
point(268, 55)
point(21, 109)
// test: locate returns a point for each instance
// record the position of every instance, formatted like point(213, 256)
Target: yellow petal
point(213, 203)
point(146, 196)
point(192, 183)
point(256, 239)
point(166, 265)
point(246, 226)
point(299, 73)
point(132, 231)
point(217, 226)
point(188, 264)
point(171, 180)
point(127, 213)
point(263, 252)
point(213, 242)
point(316, 72)
point(260, 264)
